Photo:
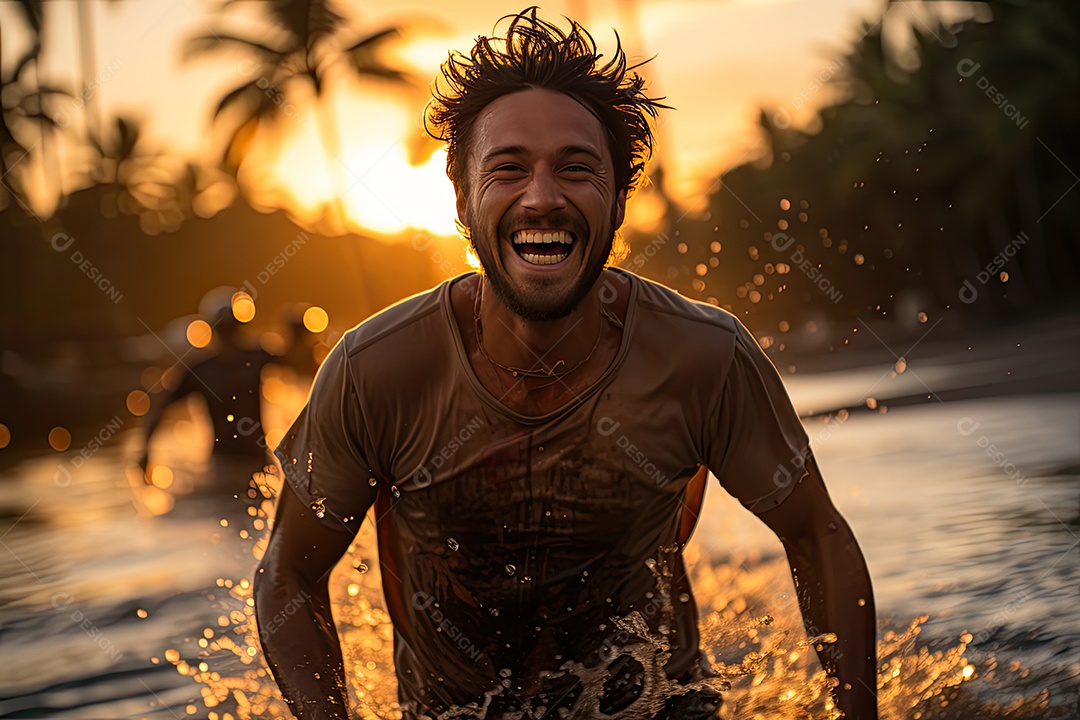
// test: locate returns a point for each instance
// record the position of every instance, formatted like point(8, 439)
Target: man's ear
point(620, 212)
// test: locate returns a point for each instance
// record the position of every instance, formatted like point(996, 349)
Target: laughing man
point(535, 438)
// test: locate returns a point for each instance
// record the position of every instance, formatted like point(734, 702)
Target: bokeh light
point(315, 319)
point(243, 307)
point(155, 501)
point(199, 333)
point(59, 439)
point(171, 377)
point(138, 403)
point(161, 476)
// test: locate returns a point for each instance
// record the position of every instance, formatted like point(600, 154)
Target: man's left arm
point(833, 587)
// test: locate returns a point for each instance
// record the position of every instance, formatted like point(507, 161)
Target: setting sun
point(381, 190)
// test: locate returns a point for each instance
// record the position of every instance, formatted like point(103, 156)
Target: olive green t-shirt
point(508, 543)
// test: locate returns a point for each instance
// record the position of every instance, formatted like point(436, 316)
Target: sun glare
point(381, 190)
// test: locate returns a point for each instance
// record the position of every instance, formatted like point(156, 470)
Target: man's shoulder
point(398, 322)
point(667, 306)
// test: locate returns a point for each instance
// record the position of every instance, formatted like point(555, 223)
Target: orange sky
point(717, 63)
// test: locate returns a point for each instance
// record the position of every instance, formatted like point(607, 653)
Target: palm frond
point(236, 95)
point(363, 57)
point(202, 44)
point(308, 21)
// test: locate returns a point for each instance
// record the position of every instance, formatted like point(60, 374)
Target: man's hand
point(292, 607)
point(834, 591)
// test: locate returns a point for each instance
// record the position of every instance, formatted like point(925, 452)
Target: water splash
point(762, 662)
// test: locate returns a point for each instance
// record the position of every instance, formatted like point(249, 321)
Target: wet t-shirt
point(509, 544)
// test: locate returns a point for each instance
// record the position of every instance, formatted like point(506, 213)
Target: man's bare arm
point(158, 406)
point(292, 606)
point(834, 590)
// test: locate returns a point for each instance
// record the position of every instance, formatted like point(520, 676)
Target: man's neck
point(516, 342)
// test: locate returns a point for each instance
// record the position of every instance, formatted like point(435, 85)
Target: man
point(531, 563)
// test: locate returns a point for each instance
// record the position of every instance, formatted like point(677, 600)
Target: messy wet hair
point(537, 54)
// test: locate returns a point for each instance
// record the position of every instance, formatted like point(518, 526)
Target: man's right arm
point(292, 607)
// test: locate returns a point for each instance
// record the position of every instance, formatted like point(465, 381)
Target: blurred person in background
point(228, 381)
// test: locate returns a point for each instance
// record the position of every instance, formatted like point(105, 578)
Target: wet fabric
point(508, 543)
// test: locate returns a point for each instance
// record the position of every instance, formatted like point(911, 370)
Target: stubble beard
point(537, 304)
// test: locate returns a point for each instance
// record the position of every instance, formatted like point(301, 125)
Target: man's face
point(542, 208)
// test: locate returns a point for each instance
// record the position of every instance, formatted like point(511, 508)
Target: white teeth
point(542, 238)
point(544, 259)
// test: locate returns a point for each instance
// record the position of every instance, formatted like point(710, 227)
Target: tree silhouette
point(911, 185)
point(24, 108)
point(130, 177)
point(306, 46)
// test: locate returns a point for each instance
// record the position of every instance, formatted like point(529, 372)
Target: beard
point(537, 303)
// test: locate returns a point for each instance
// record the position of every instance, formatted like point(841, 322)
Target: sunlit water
point(967, 513)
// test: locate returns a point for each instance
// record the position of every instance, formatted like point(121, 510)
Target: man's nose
point(543, 193)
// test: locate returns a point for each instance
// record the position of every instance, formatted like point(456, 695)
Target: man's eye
point(578, 168)
point(508, 167)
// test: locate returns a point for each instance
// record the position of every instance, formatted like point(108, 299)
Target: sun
point(382, 191)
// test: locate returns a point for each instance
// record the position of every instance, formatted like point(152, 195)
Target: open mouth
point(543, 247)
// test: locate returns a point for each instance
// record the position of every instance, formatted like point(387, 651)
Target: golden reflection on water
point(750, 628)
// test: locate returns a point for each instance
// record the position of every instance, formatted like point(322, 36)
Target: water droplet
point(319, 508)
point(650, 563)
point(360, 567)
point(395, 492)
point(505, 672)
point(372, 481)
point(685, 597)
point(766, 620)
point(510, 569)
point(494, 611)
point(452, 544)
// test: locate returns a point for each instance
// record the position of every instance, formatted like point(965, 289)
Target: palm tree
point(915, 179)
point(130, 176)
point(25, 105)
point(306, 44)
